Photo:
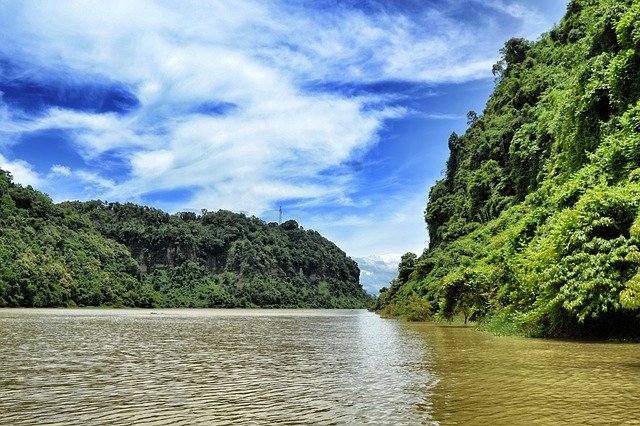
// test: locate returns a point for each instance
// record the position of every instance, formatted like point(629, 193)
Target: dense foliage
point(536, 222)
point(52, 257)
point(99, 254)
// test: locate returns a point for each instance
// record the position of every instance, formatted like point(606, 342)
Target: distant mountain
point(535, 227)
point(100, 254)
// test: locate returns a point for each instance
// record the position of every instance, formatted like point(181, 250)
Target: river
point(95, 366)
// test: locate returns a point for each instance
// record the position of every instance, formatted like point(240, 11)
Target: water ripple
point(210, 367)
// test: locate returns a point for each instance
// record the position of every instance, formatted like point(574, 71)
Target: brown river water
point(217, 367)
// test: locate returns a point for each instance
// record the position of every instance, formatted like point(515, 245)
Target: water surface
point(210, 367)
point(93, 367)
point(488, 380)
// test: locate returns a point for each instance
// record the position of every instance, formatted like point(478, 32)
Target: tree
point(406, 266)
point(290, 225)
point(465, 293)
point(472, 118)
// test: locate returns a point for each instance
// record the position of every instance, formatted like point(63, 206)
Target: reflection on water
point(299, 367)
point(211, 367)
point(487, 380)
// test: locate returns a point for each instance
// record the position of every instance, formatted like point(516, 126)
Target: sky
point(337, 112)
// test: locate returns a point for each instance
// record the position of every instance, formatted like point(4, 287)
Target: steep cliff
point(535, 224)
point(228, 259)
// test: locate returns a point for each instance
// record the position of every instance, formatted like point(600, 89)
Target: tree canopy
point(110, 254)
point(536, 218)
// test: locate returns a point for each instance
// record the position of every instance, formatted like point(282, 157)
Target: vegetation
point(100, 254)
point(536, 222)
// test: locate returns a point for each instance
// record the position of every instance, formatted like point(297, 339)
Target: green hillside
point(99, 254)
point(535, 226)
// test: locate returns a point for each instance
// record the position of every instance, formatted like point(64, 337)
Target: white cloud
point(64, 183)
point(152, 164)
point(531, 19)
point(57, 169)
point(22, 172)
point(391, 224)
point(348, 44)
point(441, 116)
point(93, 180)
point(378, 271)
point(253, 55)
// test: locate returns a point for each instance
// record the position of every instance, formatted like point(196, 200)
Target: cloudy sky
point(336, 111)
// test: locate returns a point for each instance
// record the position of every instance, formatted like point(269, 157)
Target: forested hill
point(99, 254)
point(535, 225)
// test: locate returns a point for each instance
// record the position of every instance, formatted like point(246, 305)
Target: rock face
point(300, 267)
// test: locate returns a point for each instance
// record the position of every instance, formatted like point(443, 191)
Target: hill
point(110, 254)
point(535, 225)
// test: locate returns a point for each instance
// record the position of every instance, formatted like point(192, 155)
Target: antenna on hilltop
point(280, 216)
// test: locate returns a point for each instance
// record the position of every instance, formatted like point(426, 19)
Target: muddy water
point(210, 367)
point(299, 367)
point(488, 380)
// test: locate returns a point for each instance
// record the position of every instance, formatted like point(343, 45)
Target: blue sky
point(338, 111)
